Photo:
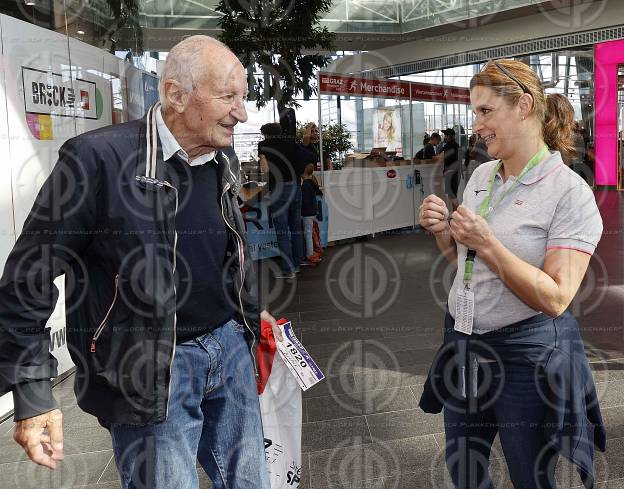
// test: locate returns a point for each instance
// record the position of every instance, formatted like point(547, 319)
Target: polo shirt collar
point(549, 165)
point(171, 147)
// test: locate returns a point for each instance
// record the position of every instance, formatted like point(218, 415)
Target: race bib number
point(464, 311)
point(298, 360)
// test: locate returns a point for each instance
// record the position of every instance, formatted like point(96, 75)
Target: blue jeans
point(501, 392)
point(286, 215)
point(308, 227)
point(214, 417)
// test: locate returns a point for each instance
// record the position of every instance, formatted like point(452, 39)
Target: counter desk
point(362, 201)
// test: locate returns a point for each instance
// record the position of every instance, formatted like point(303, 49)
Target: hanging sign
point(332, 84)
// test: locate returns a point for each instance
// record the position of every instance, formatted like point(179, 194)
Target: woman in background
point(309, 190)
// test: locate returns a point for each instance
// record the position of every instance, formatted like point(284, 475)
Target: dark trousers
point(286, 215)
point(501, 390)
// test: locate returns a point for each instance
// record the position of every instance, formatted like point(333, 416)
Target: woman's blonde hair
point(390, 132)
point(510, 79)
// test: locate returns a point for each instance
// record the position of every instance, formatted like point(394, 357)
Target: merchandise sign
point(48, 93)
point(332, 84)
point(439, 93)
point(367, 87)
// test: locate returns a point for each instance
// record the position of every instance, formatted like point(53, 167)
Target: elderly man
point(161, 303)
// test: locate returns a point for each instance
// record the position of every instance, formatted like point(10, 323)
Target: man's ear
point(525, 102)
point(176, 95)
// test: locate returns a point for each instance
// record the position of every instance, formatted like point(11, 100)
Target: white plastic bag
point(280, 404)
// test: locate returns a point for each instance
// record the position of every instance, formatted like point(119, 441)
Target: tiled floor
point(371, 316)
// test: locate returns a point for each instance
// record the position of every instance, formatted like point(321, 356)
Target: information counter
point(362, 201)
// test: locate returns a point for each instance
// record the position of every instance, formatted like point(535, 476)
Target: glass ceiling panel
point(357, 16)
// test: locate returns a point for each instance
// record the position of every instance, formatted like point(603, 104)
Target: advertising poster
point(387, 129)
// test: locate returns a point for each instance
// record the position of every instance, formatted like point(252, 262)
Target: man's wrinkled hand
point(277, 331)
point(41, 447)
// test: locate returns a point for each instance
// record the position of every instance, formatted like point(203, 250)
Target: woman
point(311, 142)
point(513, 362)
point(309, 191)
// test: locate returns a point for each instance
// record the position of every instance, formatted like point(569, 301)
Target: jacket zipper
point(241, 255)
point(102, 325)
point(175, 316)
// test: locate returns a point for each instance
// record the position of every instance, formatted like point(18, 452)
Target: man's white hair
point(185, 64)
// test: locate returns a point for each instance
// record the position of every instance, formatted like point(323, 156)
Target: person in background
point(439, 147)
point(451, 156)
point(476, 154)
point(429, 149)
point(513, 363)
point(280, 157)
point(311, 142)
point(309, 190)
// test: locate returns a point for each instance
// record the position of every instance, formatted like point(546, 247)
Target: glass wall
point(93, 21)
point(569, 72)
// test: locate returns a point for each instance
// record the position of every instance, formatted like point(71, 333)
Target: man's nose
point(239, 111)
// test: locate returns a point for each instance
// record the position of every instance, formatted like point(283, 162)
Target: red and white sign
point(439, 93)
point(367, 87)
point(332, 84)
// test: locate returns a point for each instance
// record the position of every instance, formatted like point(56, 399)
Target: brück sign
point(52, 94)
point(331, 84)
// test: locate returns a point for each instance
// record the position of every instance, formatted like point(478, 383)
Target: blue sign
point(261, 235)
point(150, 91)
point(410, 181)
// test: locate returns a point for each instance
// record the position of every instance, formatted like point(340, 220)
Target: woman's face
point(314, 133)
point(387, 121)
point(496, 122)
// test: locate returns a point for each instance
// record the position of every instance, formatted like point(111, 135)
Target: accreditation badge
point(464, 311)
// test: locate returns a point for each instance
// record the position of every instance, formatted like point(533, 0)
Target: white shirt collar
point(171, 147)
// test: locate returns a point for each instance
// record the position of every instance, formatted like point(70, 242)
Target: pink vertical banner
point(607, 57)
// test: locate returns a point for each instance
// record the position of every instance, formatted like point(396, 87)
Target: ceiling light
point(30, 3)
point(80, 32)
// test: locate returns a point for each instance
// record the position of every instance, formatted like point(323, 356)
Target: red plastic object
point(266, 352)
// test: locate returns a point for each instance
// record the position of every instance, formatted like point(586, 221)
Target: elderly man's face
point(217, 103)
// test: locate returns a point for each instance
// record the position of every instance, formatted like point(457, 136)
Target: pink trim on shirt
point(568, 248)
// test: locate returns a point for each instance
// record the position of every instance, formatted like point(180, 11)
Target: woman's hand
point(433, 215)
point(470, 229)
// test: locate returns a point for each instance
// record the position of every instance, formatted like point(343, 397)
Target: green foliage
point(109, 17)
point(274, 34)
point(336, 140)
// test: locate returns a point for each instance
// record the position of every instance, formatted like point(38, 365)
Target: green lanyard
point(485, 209)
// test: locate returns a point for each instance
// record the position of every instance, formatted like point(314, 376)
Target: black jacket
point(309, 191)
point(105, 218)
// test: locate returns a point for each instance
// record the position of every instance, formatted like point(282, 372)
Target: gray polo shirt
point(551, 207)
